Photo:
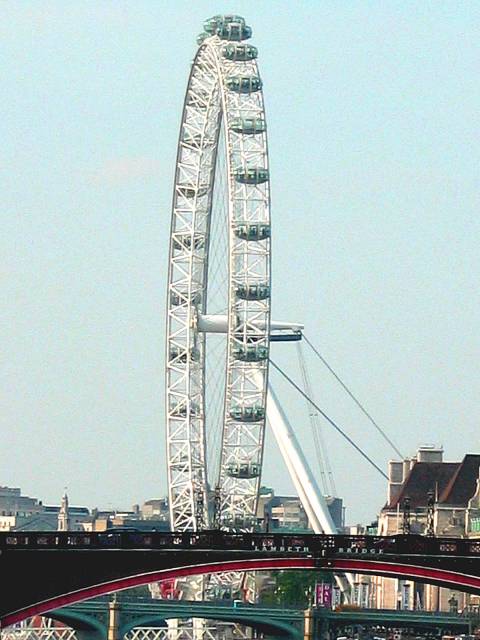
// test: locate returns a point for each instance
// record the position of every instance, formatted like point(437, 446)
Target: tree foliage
point(293, 588)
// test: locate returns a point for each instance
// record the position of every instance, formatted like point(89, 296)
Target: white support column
point(302, 477)
point(308, 491)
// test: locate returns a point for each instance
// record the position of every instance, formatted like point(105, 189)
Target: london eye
point(218, 300)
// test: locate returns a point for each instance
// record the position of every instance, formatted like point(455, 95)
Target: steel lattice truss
point(38, 633)
point(218, 631)
point(212, 631)
point(224, 91)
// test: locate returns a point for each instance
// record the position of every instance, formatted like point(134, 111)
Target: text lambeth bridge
point(60, 568)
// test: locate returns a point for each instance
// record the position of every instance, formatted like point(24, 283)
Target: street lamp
point(406, 526)
point(430, 514)
point(309, 595)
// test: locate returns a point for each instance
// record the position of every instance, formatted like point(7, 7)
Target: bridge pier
point(322, 631)
point(113, 632)
point(308, 625)
point(315, 627)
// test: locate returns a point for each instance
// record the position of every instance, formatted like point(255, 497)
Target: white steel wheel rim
point(210, 100)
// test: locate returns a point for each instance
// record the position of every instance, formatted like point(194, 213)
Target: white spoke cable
point(329, 420)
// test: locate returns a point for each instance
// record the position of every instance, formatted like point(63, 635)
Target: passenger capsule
point(247, 414)
point(252, 231)
point(244, 470)
point(187, 241)
point(235, 31)
point(244, 84)
point(201, 37)
point(251, 175)
point(252, 291)
point(179, 354)
point(177, 298)
point(250, 353)
point(248, 126)
point(239, 52)
point(211, 25)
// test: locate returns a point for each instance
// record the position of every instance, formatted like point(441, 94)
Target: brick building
point(428, 495)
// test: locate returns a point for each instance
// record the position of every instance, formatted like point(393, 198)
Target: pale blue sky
point(373, 113)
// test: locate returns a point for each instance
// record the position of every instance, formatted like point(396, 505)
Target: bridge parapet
point(315, 544)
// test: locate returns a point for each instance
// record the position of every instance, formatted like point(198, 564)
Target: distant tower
point(63, 514)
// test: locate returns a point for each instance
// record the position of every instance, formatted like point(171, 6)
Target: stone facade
point(427, 496)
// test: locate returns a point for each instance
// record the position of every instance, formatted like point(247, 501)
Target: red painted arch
point(348, 565)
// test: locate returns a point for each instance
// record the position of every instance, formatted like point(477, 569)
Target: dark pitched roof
point(453, 483)
point(425, 477)
point(463, 483)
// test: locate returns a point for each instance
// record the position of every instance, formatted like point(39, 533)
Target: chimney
point(395, 479)
point(430, 453)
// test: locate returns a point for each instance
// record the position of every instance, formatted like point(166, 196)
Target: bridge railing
point(141, 603)
point(311, 544)
point(406, 613)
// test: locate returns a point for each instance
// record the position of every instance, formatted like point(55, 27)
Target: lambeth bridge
point(103, 618)
point(61, 568)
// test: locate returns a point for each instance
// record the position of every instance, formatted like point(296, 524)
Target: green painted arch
point(79, 621)
point(273, 627)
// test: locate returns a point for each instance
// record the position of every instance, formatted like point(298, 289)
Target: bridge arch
point(362, 565)
point(93, 625)
point(86, 626)
point(277, 628)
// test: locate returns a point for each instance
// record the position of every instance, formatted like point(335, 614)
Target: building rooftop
point(84, 511)
point(452, 483)
point(463, 484)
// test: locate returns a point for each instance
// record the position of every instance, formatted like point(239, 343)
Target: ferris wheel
point(218, 306)
point(219, 328)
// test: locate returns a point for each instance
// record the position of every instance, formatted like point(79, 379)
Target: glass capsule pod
point(189, 191)
point(259, 291)
point(179, 298)
point(244, 470)
point(244, 84)
point(180, 410)
point(181, 355)
point(186, 241)
point(247, 414)
point(201, 37)
point(252, 231)
point(251, 175)
point(211, 25)
point(239, 52)
point(235, 31)
point(251, 353)
point(248, 126)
